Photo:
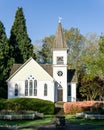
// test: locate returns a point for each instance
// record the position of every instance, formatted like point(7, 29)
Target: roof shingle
point(59, 42)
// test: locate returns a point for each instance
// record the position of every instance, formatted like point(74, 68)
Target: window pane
point(26, 88)
point(31, 84)
point(35, 87)
point(45, 89)
point(35, 92)
point(35, 83)
point(16, 89)
point(26, 92)
point(30, 87)
point(26, 84)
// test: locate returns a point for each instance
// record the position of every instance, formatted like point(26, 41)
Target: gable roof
point(71, 73)
point(14, 68)
point(59, 42)
point(17, 67)
point(48, 68)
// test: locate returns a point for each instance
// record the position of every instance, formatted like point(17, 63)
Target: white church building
point(53, 82)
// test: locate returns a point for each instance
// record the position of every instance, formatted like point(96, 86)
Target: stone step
point(59, 104)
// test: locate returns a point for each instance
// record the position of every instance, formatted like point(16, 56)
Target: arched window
point(45, 89)
point(16, 89)
point(30, 87)
point(35, 87)
point(26, 87)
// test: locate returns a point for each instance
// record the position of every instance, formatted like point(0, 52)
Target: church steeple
point(60, 64)
point(59, 42)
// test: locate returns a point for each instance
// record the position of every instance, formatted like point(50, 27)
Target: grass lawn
point(74, 120)
point(46, 119)
point(49, 119)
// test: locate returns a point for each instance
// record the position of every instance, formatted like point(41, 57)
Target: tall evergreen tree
point(21, 47)
point(5, 61)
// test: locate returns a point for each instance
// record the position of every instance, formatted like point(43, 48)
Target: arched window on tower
point(45, 89)
point(16, 90)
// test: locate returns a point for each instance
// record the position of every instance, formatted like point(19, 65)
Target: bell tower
point(60, 65)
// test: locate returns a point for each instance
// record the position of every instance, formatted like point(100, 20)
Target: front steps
point(59, 111)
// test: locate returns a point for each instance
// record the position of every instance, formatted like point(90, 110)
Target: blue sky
point(42, 16)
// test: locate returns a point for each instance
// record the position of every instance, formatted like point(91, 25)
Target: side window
point(26, 87)
point(35, 87)
point(45, 89)
point(16, 90)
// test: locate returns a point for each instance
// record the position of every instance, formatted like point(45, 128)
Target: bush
point(76, 107)
point(24, 104)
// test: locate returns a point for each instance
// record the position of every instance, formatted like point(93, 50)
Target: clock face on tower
point(60, 60)
point(60, 73)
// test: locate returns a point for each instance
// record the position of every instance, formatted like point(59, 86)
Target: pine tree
point(5, 61)
point(21, 47)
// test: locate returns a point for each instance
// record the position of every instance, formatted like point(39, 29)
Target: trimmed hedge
point(77, 107)
point(24, 104)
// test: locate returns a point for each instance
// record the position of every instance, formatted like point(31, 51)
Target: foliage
point(75, 42)
point(5, 61)
point(100, 61)
point(75, 107)
point(18, 104)
point(101, 44)
point(92, 89)
point(89, 56)
point(90, 69)
point(45, 54)
point(20, 42)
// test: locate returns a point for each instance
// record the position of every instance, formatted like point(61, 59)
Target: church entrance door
point(60, 94)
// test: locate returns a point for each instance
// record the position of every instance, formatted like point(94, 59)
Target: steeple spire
point(59, 38)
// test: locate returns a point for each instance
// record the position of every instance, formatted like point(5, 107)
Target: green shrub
point(23, 104)
point(2, 104)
